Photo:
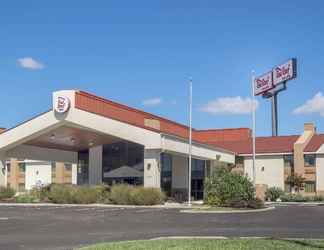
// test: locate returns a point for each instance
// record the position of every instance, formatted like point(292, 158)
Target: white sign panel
point(284, 72)
point(263, 83)
point(62, 104)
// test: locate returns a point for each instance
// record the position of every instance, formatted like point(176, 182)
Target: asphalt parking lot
point(67, 228)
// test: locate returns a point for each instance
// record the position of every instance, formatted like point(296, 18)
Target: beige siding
point(269, 170)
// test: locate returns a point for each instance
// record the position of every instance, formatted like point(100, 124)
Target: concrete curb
point(229, 238)
point(190, 211)
point(168, 206)
point(295, 203)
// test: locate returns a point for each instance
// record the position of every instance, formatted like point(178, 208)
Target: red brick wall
point(220, 135)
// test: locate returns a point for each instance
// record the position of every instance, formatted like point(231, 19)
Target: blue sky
point(141, 53)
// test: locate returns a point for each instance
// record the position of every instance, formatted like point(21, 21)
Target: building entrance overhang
point(68, 128)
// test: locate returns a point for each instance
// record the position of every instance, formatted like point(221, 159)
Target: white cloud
point(230, 105)
point(314, 105)
point(152, 102)
point(30, 63)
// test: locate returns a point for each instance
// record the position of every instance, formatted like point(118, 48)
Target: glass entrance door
point(197, 179)
point(83, 168)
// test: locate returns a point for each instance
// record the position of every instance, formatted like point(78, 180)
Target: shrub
point(6, 193)
point(41, 192)
point(224, 186)
point(294, 198)
point(147, 196)
point(129, 195)
point(255, 204)
point(121, 194)
point(27, 198)
point(85, 195)
point(236, 203)
point(61, 194)
point(273, 193)
point(318, 198)
point(103, 194)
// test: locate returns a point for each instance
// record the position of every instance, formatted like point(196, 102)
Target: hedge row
point(71, 194)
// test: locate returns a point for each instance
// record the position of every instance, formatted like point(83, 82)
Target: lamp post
point(190, 142)
point(253, 128)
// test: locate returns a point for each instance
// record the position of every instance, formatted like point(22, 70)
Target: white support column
point(3, 171)
point(74, 174)
point(95, 165)
point(152, 168)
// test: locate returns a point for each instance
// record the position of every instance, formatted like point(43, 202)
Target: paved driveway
point(67, 228)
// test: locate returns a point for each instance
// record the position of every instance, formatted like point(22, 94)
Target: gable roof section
point(315, 143)
point(264, 145)
point(100, 106)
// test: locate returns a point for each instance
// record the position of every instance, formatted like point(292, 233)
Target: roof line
point(123, 106)
point(23, 122)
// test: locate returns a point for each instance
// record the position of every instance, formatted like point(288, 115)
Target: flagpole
point(190, 141)
point(253, 127)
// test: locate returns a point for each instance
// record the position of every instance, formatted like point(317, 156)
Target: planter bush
point(61, 194)
point(255, 204)
point(27, 198)
point(294, 198)
point(146, 196)
point(6, 193)
point(103, 195)
point(274, 193)
point(85, 195)
point(300, 198)
point(224, 188)
point(121, 194)
point(41, 192)
point(69, 194)
point(129, 195)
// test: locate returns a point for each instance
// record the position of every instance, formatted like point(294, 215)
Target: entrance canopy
point(79, 121)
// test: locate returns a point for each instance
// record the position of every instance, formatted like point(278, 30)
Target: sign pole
point(253, 128)
point(274, 109)
point(190, 142)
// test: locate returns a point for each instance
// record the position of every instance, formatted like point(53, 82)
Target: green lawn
point(207, 244)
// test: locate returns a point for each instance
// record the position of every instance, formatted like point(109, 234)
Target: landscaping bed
point(210, 244)
point(72, 194)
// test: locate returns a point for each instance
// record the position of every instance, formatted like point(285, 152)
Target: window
point(53, 164)
point(310, 187)
point(22, 167)
point(288, 161)
point(239, 160)
point(21, 187)
point(68, 167)
point(8, 168)
point(310, 160)
point(287, 187)
point(166, 173)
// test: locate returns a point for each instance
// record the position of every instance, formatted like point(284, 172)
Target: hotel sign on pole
point(270, 84)
point(263, 83)
point(284, 72)
point(279, 75)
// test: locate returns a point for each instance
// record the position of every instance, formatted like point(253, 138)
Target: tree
point(296, 181)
